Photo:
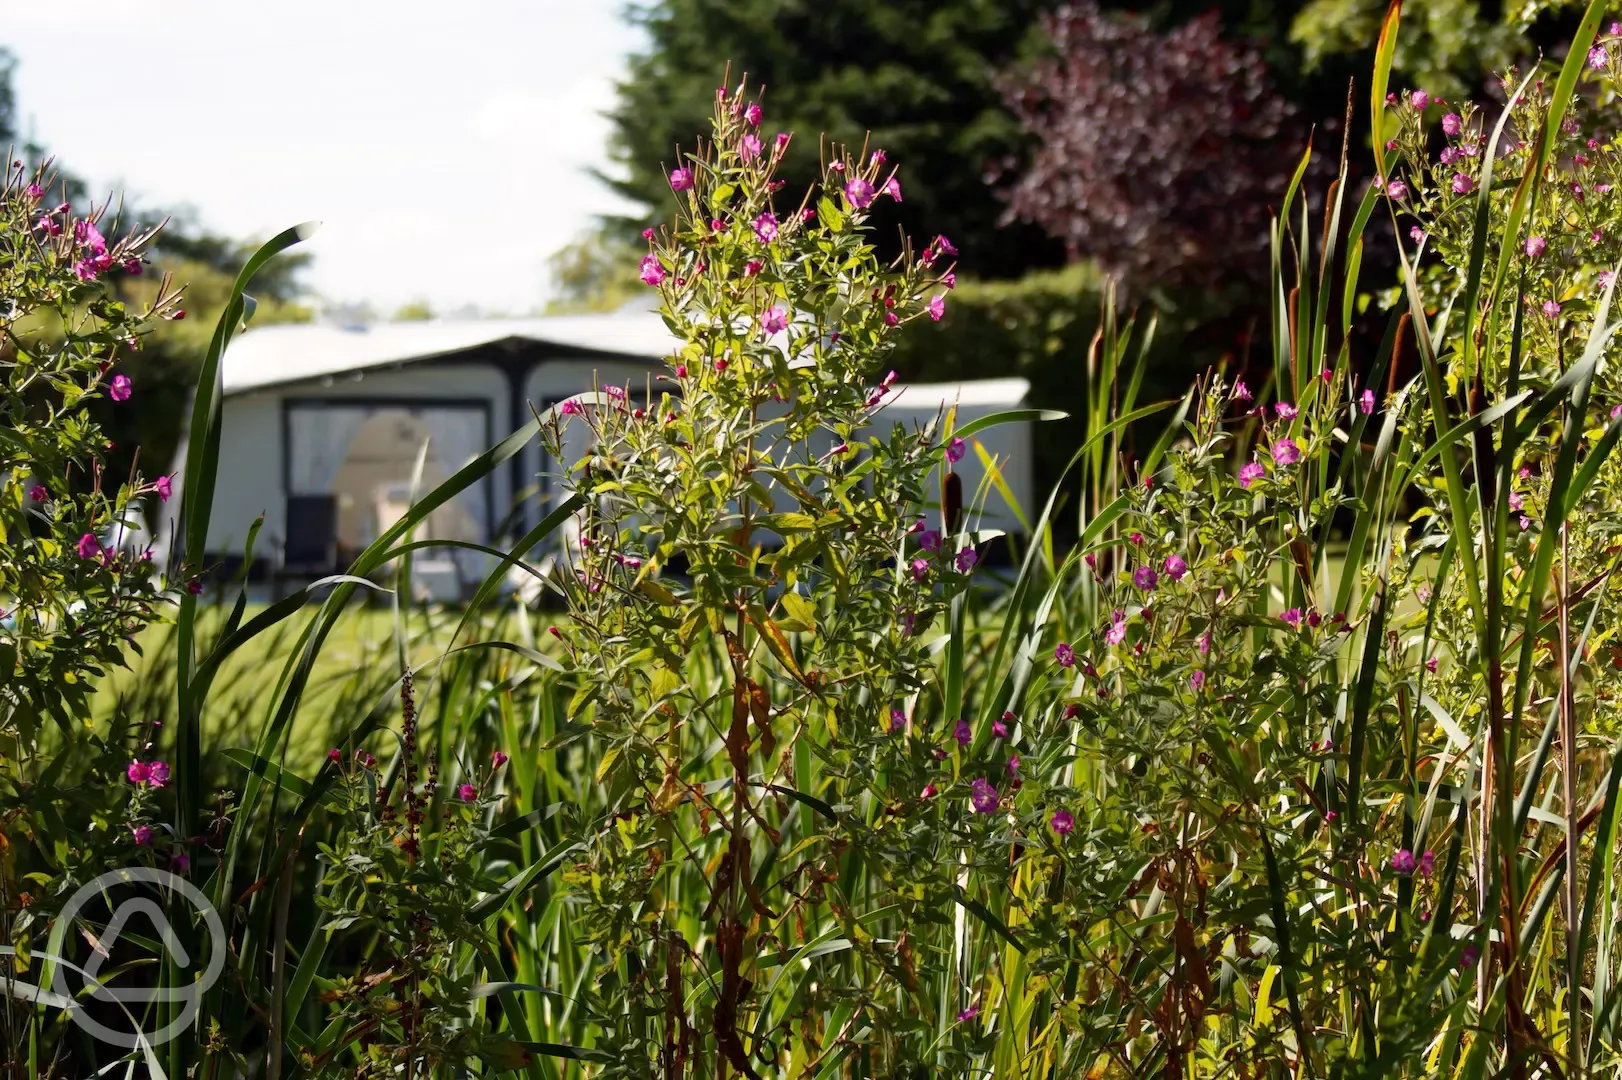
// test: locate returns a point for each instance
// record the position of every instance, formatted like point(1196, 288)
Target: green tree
point(916, 74)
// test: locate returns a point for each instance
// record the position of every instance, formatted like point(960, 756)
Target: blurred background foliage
point(939, 84)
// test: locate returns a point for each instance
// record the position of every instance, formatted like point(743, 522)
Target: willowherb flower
point(859, 193)
point(1064, 655)
point(34, 191)
point(1286, 452)
point(1463, 184)
point(49, 225)
point(1117, 629)
point(1427, 864)
point(133, 267)
point(999, 728)
point(1397, 190)
point(1417, 235)
point(1250, 473)
point(1241, 392)
point(1419, 99)
point(139, 772)
point(1535, 246)
point(955, 450)
point(1597, 57)
point(1365, 401)
point(1452, 123)
point(1551, 308)
point(962, 733)
point(1292, 617)
point(1062, 822)
point(898, 720)
point(920, 569)
point(651, 272)
point(983, 797)
point(936, 307)
point(681, 179)
point(1203, 643)
point(1197, 681)
point(966, 559)
point(929, 792)
point(571, 407)
point(142, 835)
point(1516, 500)
point(1011, 767)
point(753, 115)
point(38, 493)
point(1286, 411)
point(968, 1014)
point(766, 227)
point(1175, 567)
point(929, 540)
point(749, 147)
point(467, 793)
point(892, 188)
point(89, 546)
point(1403, 861)
point(1145, 578)
point(774, 320)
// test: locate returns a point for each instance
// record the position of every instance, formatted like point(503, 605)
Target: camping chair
point(310, 548)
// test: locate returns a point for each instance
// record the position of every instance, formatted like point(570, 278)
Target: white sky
point(443, 145)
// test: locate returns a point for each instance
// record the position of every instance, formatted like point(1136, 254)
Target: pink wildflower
point(1463, 184)
point(1365, 401)
point(1292, 617)
point(920, 569)
point(139, 772)
point(1286, 411)
point(1551, 308)
point(962, 733)
point(1250, 473)
point(984, 797)
point(1145, 578)
point(1062, 822)
point(859, 193)
point(766, 227)
point(120, 388)
point(1535, 246)
point(1064, 655)
point(1397, 190)
point(892, 188)
point(955, 450)
point(753, 115)
point(158, 774)
point(467, 793)
point(89, 546)
point(1286, 452)
point(774, 320)
point(1197, 681)
point(1451, 124)
point(651, 272)
point(142, 835)
point(749, 148)
point(1419, 99)
point(937, 307)
point(966, 559)
point(38, 493)
point(1403, 861)
point(681, 179)
point(1175, 567)
point(1241, 392)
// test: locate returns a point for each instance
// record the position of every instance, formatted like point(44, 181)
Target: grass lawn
point(356, 663)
